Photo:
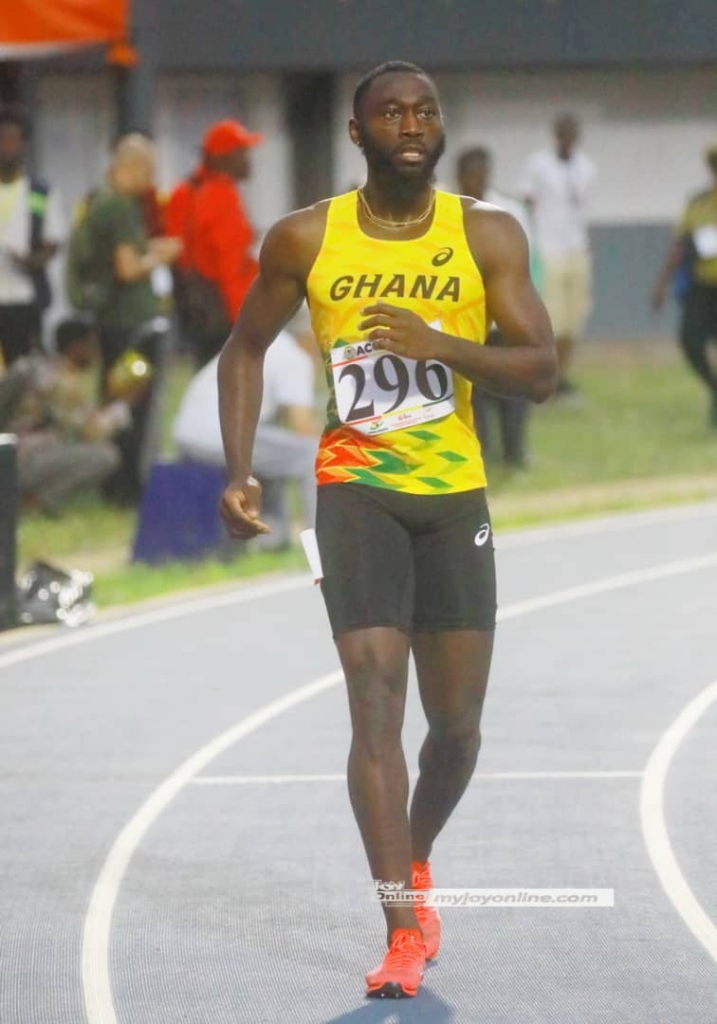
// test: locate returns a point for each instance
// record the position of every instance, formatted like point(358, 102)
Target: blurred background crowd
point(134, 195)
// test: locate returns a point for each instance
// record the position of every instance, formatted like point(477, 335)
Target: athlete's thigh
point(454, 564)
point(366, 558)
point(452, 669)
point(375, 664)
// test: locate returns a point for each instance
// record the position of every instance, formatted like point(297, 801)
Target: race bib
point(377, 391)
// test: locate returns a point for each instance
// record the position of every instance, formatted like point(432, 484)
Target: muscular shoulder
point(294, 241)
point(494, 235)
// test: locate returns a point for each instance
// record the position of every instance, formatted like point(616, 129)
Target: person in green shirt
point(693, 256)
point(127, 264)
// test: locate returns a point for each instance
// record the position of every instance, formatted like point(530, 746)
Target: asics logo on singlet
point(482, 536)
point(396, 286)
point(442, 257)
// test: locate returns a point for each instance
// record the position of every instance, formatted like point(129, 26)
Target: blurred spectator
point(31, 229)
point(65, 441)
point(287, 434)
point(692, 260)
point(555, 185)
point(122, 260)
point(473, 171)
point(216, 267)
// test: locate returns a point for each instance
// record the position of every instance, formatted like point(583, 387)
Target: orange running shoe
point(428, 917)
point(402, 969)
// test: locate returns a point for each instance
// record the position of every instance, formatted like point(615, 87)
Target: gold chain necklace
point(396, 225)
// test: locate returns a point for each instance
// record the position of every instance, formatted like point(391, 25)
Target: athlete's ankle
point(403, 920)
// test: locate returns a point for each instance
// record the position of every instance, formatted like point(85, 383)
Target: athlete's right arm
point(287, 254)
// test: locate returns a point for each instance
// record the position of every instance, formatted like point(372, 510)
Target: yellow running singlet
point(394, 422)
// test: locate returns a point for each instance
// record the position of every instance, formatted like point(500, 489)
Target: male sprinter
point(401, 280)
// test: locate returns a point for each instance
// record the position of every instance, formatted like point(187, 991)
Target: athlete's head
point(473, 169)
point(398, 124)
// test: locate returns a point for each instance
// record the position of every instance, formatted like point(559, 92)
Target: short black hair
point(474, 153)
point(14, 115)
point(391, 67)
point(71, 330)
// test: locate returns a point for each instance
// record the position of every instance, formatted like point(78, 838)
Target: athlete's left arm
point(525, 364)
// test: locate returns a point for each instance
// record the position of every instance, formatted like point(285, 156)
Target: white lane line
point(605, 524)
point(96, 937)
point(95, 943)
point(654, 826)
point(269, 780)
point(179, 607)
point(627, 579)
point(279, 780)
point(248, 592)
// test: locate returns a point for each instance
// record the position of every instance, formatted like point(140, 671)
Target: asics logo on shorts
point(482, 536)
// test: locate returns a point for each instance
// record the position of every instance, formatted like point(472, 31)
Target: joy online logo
point(442, 257)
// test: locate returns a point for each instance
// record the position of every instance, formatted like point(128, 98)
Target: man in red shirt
point(216, 268)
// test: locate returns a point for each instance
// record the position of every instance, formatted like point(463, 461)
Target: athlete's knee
point(376, 716)
point(375, 679)
point(457, 737)
point(373, 662)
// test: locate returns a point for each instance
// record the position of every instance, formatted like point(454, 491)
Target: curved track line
point(654, 826)
point(96, 940)
point(96, 982)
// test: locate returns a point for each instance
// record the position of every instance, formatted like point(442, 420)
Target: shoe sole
point(391, 990)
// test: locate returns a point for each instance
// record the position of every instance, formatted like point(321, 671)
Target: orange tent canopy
point(32, 28)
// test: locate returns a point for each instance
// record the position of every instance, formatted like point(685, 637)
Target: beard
point(404, 182)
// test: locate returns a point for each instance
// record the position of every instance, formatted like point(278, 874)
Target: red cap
point(226, 136)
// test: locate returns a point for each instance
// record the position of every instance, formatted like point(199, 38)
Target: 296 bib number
point(378, 391)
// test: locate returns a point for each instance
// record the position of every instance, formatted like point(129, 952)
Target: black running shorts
point(423, 563)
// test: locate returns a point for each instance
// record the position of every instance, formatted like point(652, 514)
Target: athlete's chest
point(413, 275)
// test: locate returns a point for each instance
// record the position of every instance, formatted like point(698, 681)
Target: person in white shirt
point(473, 173)
point(31, 229)
point(556, 184)
point(287, 435)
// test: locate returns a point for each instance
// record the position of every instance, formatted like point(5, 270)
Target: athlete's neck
point(395, 198)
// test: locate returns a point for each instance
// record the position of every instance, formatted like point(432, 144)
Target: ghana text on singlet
point(394, 422)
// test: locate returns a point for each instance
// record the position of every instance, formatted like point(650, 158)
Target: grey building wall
point(642, 77)
point(343, 34)
point(626, 261)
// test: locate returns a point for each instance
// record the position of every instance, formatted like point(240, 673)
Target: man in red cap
point(207, 213)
